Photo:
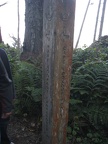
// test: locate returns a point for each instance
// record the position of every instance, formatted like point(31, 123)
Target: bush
point(28, 86)
point(88, 113)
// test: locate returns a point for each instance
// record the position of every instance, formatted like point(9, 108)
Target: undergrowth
point(88, 109)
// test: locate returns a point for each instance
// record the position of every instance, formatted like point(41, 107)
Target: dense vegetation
point(88, 111)
point(88, 115)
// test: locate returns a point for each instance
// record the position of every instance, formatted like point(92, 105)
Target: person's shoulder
point(2, 51)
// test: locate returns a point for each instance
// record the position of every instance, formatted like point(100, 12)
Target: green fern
point(28, 87)
point(89, 96)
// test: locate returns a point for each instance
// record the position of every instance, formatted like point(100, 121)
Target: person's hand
point(6, 115)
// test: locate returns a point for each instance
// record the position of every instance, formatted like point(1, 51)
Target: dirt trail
point(23, 131)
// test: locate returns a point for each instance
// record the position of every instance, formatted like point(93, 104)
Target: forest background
point(88, 111)
point(8, 21)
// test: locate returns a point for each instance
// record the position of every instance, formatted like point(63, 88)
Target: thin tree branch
point(3, 4)
point(83, 23)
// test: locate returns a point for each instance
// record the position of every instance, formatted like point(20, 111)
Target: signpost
point(58, 31)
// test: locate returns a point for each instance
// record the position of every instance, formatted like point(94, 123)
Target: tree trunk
point(102, 18)
point(33, 28)
point(97, 18)
point(18, 14)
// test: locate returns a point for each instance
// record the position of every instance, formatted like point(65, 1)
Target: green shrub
point(28, 86)
point(88, 113)
point(88, 110)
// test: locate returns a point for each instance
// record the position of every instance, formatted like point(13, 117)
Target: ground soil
point(24, 130)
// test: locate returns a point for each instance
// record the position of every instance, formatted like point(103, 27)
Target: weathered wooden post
point(58, 30)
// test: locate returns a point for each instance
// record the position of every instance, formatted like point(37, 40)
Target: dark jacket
point(7, 93)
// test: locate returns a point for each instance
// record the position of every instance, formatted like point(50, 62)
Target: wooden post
point(58, 31)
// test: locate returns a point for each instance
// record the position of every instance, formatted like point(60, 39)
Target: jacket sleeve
point(4, 78)
point(6, 100)
point(6, 84)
